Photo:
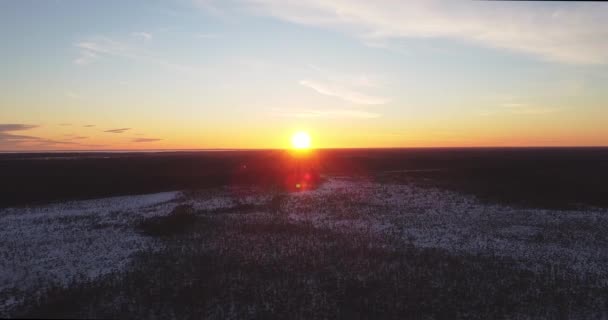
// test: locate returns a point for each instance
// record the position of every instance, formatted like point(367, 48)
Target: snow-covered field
point(67, 243)
point(460, 223)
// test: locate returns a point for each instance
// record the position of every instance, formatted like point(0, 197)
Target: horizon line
point(281, 149)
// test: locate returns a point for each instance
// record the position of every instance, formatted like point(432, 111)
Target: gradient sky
point(249, 73)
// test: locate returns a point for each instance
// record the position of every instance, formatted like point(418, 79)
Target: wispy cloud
point(10, 140)
point(213, 8)
point(96, 48)
point(88, 125)
point(347, 87)
point(142, 35)
point(9, 127)
point(146, 140)
point(71, 136)
point(557, 32)
point(522, 108)
point(92, 50)
point(318, 113)
point(347, 79)
point(120, 130)
point(344, 93)
point(86, 57)
point(519, 109)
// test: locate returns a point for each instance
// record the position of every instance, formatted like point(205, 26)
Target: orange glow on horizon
point(170, 137)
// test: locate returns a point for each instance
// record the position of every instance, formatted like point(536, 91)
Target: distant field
point(353, 248)
point(529, 177)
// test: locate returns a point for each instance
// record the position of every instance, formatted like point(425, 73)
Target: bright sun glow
point(301, 140)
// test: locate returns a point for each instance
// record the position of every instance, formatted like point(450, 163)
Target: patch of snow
point(72, 241)
point(434, 218)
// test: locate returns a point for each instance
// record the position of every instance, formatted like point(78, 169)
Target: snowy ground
point(64, 243)
point(461, 224)
point(72, 242)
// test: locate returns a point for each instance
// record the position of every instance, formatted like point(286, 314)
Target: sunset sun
point(300, 140)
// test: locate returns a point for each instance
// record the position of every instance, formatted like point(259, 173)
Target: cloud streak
point(524, 109)
point(10, 140)
point(119, 130)
point(347, 87)
point(97, 48)
point(86, 57)
point(344, 93)
point(558, 32)
point(330, 114)
point(519, 109)
point(75, 137)
point(16, 127)
point(142, 35)
point(92, 49)
point(139, 140)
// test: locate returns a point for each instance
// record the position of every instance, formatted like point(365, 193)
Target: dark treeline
point(539, 177)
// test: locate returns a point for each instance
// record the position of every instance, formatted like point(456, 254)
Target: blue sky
point(247, 74)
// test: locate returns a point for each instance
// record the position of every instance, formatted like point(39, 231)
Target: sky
point(206, 74)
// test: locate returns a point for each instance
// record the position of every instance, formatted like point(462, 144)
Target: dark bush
point(178, 221)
